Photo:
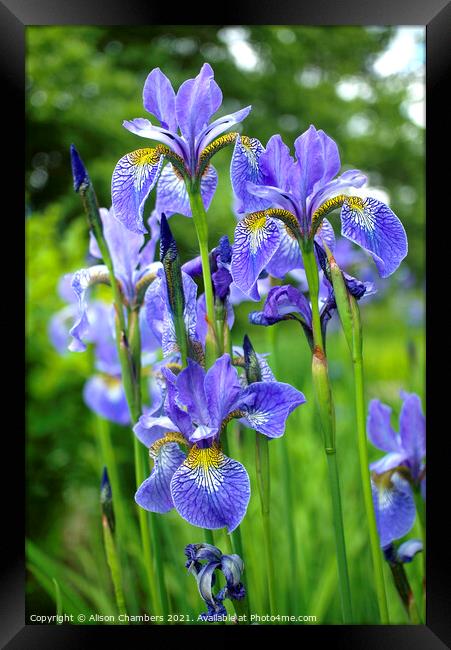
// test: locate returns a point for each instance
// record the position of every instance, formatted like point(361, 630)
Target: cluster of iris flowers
point(165, 360)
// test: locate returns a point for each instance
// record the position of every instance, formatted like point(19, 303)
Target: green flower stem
point(109, 460)
point(148, 524)
point(114, 565)
point(288, 495)
point(201, 225)
point(323, 396)
point(145, 532)
point(405, 592)
point(345, 590)
point(357, 359)
point(209, 536)
point(263, 482)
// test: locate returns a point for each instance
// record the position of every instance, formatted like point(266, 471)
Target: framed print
point(225, 350)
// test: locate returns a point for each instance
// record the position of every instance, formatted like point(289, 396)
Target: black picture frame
point(435, 15)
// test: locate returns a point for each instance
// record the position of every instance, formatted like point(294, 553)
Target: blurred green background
point(364, 87)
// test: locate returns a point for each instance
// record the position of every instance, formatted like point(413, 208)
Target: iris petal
point(373, 226)
point(412, 427)
point(106, 397)
point(211, 490)
point(133, 179)
point(81, 281)
point(394, 507)
point(220, 125)
point(257, 238)
point(196, 101)
point(159, 99)
point(222, 388)
point(172, 196)
point(287, 257)
point(145, 129)
point(154, 493)
point(380, 431)
point(267, 406)
point(245, 167)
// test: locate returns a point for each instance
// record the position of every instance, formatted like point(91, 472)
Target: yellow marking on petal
point(172, 436)
point(256, 221)
point(148, 156)
point(290, 221)
point(355, 202)
point(246, 141)
point(205, 459)
point(111, 382)
point(213, 148)
point(234, 414)
point(175, 367)
point(326, 207)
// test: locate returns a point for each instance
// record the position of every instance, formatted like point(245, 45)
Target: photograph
point(225, 325)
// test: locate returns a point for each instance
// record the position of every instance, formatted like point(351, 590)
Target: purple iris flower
point(204, 561)
point(188, 138)
point(206, 487)
point(133, 267)
point(401, 468)
point(306, 189)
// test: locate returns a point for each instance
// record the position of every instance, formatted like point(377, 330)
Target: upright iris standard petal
point(267, 406)
point(331, 157)
point(245, 166)
point(309, 149)
point(394, 506)
point(197, 99)
point(159, 99)
point(222, 389)
point(191, 392)
point(276, 163)
point(372, 225)
point(257, 238)
point(211, 490)
point(412, 428)
point(175, 412)
point(154, 494)
point(380, 431)
point(172, 196)
point(133, 178)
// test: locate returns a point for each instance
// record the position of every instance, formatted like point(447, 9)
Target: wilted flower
point(231, 566)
